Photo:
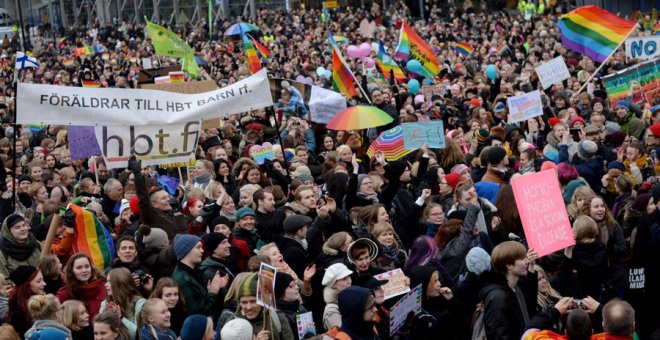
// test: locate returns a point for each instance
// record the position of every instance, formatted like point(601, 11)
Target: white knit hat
point(237, 329)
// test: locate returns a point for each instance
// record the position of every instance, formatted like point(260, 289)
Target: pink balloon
point(370, 63)
point(365, 50)
point(353, 51)
point(419, 99)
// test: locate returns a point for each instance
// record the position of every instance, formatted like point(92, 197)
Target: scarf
point(151, 332)
point(624, 120)
point(390, 252)
point(18, 251)
point(373, 198)
point(202, 179)
point(431, 228)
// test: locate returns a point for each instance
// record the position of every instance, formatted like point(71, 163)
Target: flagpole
point(353, 76)
point(606, 60)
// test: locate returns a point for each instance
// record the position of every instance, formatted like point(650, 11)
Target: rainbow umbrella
point(340, 39)
point(390, 142)
point(241, 28)
point(359, 117)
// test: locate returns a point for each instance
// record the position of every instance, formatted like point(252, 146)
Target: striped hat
point(249, 286)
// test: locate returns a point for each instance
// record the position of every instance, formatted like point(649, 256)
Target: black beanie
point(221, 220)
point(496, 155)
point(13, 219)
point(282, 281)
point(22, 274)
point(212, 240)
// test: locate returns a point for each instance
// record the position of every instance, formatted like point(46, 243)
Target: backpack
point(478, 325)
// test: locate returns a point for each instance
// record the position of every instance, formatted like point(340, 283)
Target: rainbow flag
point(133, 59)
point(386, 64)
point(92, 238)
point(341, 39)
point(91, 84)
point(105, 56)
point(502, 50)
point(177, 77)
point(593, 31)
point(411, 46)
point(342, 78)
point(68, 62)
point(656, 29)
point(61, 43)
point(464, 49)
point(253, 62)
point(262, 51)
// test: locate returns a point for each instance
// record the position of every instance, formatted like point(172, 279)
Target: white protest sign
point(396, 283)
point(153, 144)
point(114, 106)
point(410, 303)
point(552, 72)
point(324, 104)
point(524, 107)
point(643, 47)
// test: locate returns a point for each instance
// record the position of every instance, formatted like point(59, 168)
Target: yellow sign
point(330, 4)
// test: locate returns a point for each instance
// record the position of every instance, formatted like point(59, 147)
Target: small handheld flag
point(24, 61)
point(464, 49)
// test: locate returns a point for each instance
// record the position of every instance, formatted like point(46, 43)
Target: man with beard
point(267, 225)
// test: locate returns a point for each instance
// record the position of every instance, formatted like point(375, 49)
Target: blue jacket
point(591, 170)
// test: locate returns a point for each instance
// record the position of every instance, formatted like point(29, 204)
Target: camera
point(144, 277)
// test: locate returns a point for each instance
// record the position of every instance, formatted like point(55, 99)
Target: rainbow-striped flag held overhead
point(502, 50)
point(92, 238)
point(656, 29)
point(593, 31)
point(342, 78)
point(253, 62)
point(411, 46)
point(386, 64)
point(464, 49)
point(262, 51)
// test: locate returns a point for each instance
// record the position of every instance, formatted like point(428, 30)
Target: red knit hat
point(578, 119)
point(135, 208)
point(474, 102)
point(655, 128)
point(453, 179)
point(552, 121)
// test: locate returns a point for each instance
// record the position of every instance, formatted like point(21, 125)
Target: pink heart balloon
point(365, 50)
point(370, 63)
point(352, 51)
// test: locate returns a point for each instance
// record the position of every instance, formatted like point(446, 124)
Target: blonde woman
point(46, 312)
point(580, 195)
point(76, 318)
point(546, 295)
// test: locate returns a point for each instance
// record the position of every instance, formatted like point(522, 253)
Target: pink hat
point(460, 169)
point(548, 165)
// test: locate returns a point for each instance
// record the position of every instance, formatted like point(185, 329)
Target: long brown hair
point(124, 292)
point(506, 211)
point(72, 284)
point(21, 294)
point(114, 322)
point(451, 154)
point(608, 219)
point(167, 282)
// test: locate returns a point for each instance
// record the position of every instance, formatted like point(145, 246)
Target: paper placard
point(324, 104)
point(524, 107)
point(542, 212)
point(416, 134)
point(266, 286)
point(305, 325)
point(260, 153)
point(409, 303)
point(643, 47)
point(82, 142)
point(647, 76)
point(552, 72)
point(396, 284)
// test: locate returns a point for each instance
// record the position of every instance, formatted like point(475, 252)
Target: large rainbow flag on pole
point(342, 78)
point(263, 52)
point(593, 31)
point(253, 61)
point(386, 64)
point(411, 46)
point(92, 238)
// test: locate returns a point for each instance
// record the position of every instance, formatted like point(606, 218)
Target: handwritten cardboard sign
point(396, 284)
point(260, 153)
point(324, 104)
point(542, 212)
point(82, 142)
point(305, 324)
point(524, 107)
point(416, 134)
point(266, 286)
point(409, 303)
point(552, 72)
point(643, 47)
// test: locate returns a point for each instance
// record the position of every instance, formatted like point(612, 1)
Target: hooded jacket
point(590, 169)
point(14, 254)
point(352, 302)
point(436, 311)
point(40, 325)
point(584, 272)
point(553, 145)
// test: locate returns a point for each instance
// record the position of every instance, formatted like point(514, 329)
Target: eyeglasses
point(437, 214)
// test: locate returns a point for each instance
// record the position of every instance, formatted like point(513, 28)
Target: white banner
point(153, 144)
point(552, 72)
point(324, 104)
point(524, 107)
point(643, 47)
point(50, 104)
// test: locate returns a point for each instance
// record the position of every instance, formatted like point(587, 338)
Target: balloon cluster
point(322, 72)
point(363, 52)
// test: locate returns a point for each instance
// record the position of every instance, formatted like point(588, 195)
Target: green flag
point(166, 42)
point(190, 65)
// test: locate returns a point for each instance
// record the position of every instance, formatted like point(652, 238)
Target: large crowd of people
point(326, 215)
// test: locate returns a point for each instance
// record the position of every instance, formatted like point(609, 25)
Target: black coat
point(294, 254)
point(584, 273)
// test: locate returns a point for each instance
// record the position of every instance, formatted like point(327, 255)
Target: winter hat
point(211, 142)
point(616, 165)
point(282, 282)
point(134, 205)
point(477, 261)
point(591, 129)
point(237, 329)
point(622, 103)
point(453, 179)
point(553, 121)
point(596, 100)
point(524, 146)
point(243, 212)
point(302, 173)
point(474, 102)
point(361, 177)
point(335, 272)
point(587, 149)
point(552, 155)
point(153, 238)
point(221, 220)
point(371, 245)
point(397, 168)
point(487, 190)
point(50, 334)
point(248, 287)
point(641, 201)
point(459, 215)
point(578, 119)
point(496, 155)
point(125, 204)
point(616, 138)
point(481, 135)
point(212, 241)
point(21, 274)
point(460, 168)
point(369, 282)
point(12, 219)
point(294, 223)
point(23, 178)
point(499, 107)
point(547, 165)
point(183, 244)
point(655, 128)
point(568, 192)
point(194, 327)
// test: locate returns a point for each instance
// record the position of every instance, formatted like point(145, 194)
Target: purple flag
point(82, 142)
